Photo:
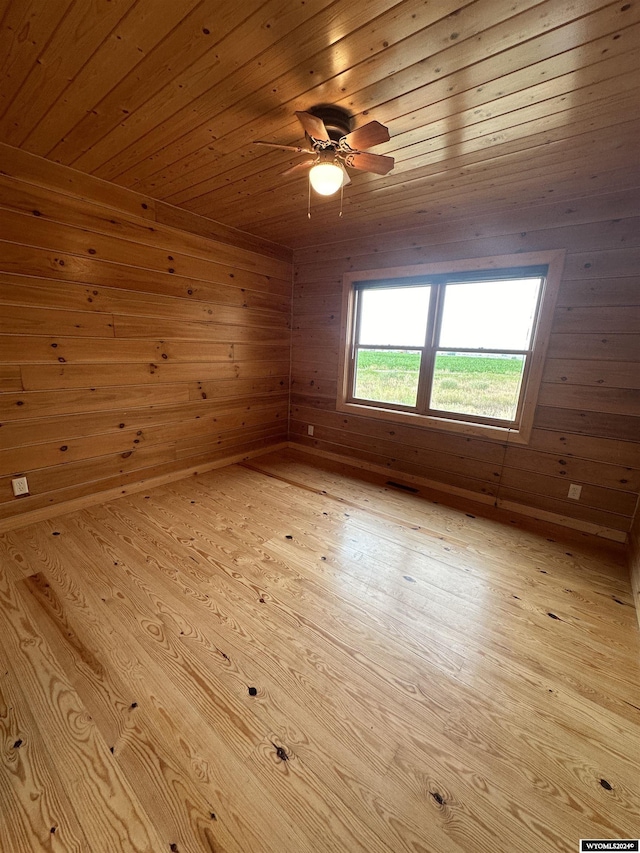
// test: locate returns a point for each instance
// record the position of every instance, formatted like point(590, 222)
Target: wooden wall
point(587, 423)
point(136, 340)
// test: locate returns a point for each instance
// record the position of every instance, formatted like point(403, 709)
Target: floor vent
point(402, 486)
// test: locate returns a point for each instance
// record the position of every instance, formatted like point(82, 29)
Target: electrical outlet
point(575, 491)
point(20, 487)
point(310, 430)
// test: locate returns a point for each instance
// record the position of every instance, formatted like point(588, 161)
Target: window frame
point(519, 431)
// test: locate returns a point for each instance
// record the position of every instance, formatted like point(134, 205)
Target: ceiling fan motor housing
point(337, 121)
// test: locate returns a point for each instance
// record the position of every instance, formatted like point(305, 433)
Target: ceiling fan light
point(326, 178)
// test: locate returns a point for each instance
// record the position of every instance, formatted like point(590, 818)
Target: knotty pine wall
point(587, 423)
point(137, 341)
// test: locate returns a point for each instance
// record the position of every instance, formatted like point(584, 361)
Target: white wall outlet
point(310, 430)
point(20, 487)
point(575, 491)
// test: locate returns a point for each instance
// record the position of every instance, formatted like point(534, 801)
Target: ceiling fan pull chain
point(341, 198)
point(309, 201)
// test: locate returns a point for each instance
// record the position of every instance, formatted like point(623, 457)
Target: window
point(457, 346)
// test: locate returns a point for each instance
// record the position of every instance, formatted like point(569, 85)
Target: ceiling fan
point(334, 145)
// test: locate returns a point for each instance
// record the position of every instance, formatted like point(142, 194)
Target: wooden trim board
point(634, 560)
point(75, 504)
point(487, 500)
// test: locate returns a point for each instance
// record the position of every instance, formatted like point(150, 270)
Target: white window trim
point(555, 261)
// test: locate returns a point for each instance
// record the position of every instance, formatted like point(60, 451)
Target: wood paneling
point(288, 657)
point(490, 104)
point(587, 422)
point(514, 126)
point(114, 370)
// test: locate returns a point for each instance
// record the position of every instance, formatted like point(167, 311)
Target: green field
point(466, 384)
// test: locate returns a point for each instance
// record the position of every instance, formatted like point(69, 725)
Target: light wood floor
point(289, 656)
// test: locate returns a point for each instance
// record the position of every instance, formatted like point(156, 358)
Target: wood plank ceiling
point(489, 103)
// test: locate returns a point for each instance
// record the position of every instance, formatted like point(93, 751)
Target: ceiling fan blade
point(295, 148)
point(376, 163)
point(367, 136)
point(299, 167)
point(313, 126)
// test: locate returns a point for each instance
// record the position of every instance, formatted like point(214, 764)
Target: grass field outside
point(468, 384)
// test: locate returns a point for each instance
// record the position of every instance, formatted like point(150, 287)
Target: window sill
point(514, 435)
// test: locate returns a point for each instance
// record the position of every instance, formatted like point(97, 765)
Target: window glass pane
point(388, 376)
point(394, 316)
point(489, 314)
point(472, 384)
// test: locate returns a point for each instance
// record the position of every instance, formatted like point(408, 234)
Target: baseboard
point(75, 504)
point(635, 588)
point(65, 507)
point(515, 508)
point(634, 564)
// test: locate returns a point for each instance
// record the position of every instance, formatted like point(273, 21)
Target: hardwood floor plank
point(186, 534)
point(140, 746)
point(289, 655)
point(517, 642)
point(198, 767)
point(84, 767)
point(301, 744)
point(37, 813)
